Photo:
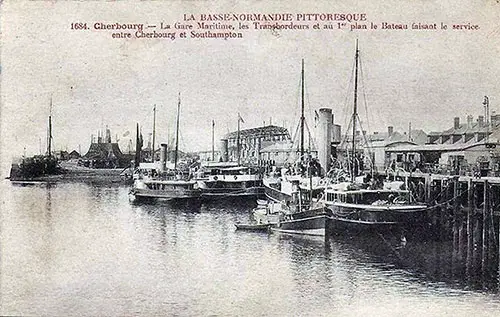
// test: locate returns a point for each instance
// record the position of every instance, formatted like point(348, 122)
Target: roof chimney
point(469, 121)
point(456, 123)
point(390, 130)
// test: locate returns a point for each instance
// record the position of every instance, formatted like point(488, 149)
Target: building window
point(399, 158)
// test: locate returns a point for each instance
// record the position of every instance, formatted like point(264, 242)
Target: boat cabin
point(368, 197)
point(164, 185)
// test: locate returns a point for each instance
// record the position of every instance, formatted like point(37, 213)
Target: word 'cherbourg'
point(277, 17)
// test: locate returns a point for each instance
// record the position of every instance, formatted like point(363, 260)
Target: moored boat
point(168, 189)
point(357, 210)
point(228, 179)
point(159, 182)
point(302, 215)
point(259, 227)
point(363, 208)
point(279, 184)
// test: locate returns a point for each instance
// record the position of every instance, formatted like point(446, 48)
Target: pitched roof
point(270, 130)
point(104, 151)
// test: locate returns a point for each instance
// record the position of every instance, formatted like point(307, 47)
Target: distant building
point(374, 147)
point(74, 155)
point(61, 155)
point(252, 141)
point(207, 155)
point(281, 153)
point(105, 154)
point(464, 148)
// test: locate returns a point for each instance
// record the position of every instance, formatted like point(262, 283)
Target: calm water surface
point(75, 249)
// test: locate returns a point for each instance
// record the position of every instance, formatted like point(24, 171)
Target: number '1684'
point(78, 26)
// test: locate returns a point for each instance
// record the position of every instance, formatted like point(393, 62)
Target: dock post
point(428, 188)
point(484, 257)
point(456, 222)
point(470, 235)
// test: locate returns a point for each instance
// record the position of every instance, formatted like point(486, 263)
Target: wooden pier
point(466, 211)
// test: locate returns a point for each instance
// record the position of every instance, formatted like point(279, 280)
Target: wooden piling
point(456, 218)
point(470, 208)
point(486, 198)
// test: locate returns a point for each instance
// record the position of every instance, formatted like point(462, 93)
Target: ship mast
point(238, 140)
point(177, 133)
point(302, 118)
point(49, 145)
point(213, 140)
point(138, 147)
point(154, 133)
point(355, 114)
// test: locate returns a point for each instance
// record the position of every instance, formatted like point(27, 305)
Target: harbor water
point(77, 249)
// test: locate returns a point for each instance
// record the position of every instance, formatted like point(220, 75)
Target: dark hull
point(253, 227)
point(348, 221)
point(310, 222)
point(343, 226)
point(217, 193)
point(150, 194)
point(34, 168)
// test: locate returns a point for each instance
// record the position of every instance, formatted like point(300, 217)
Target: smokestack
point(456, 123)
point(480, 121)
point(469, 121)
point(223, 150)
point(390, 130)
point(325, 138)
point(163, 157)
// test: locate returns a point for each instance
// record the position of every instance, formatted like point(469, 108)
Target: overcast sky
point(423, 77)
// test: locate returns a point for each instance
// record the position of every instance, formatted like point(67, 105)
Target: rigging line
point(297, 99)
point(364, 94)
point(295, 135)
point(312, 136)
point(346, 135)
point(309, 132)
point(346, 111)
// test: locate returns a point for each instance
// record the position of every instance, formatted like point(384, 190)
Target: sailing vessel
point(302, 214)
point(38, 166)
point(218, 180)
point(163, 183)
point(279, 185)
point(357, 207)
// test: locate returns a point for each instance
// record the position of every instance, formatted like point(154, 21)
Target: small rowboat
point(253, 227)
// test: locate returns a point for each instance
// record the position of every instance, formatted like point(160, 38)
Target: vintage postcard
point(259, 158)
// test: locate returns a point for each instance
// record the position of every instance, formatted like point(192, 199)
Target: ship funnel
point(223, 150)
point(325, 138)
point(163, 157)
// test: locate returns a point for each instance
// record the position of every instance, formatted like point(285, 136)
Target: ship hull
point(310, 222)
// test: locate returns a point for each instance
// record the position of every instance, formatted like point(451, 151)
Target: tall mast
point(177, 132)
point(154, 133)
point(49, 145)
point(355, 114)
point(302, 118)
point(238, 140)
point(138, 147)
point(213, 140)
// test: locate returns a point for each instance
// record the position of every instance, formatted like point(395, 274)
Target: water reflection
point(79, 249)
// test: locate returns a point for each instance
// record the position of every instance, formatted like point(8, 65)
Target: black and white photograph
point(258, 158)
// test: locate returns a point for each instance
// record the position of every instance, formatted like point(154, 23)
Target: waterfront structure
point(466, 148)
point(105, 154)
point(74, 155)
point(251, 141)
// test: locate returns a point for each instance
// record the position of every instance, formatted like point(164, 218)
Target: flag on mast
point(240, 118)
